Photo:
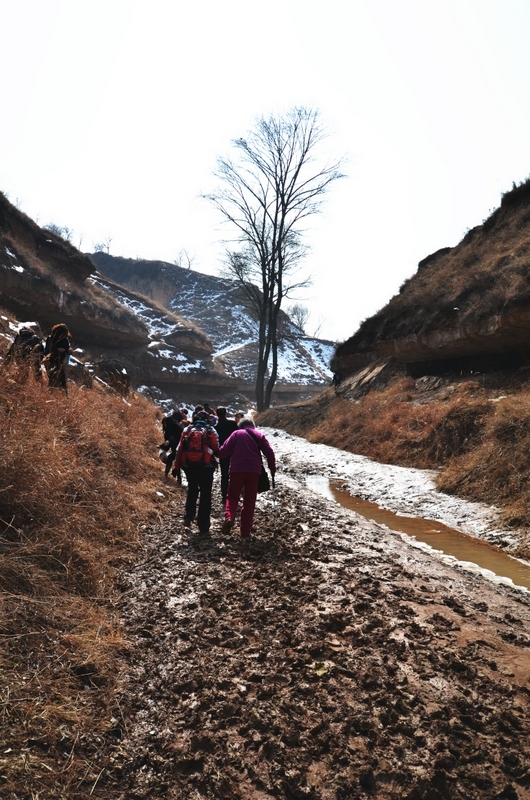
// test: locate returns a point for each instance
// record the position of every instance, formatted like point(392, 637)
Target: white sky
point(114, 112)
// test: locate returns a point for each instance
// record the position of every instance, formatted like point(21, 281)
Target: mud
point(323, 659)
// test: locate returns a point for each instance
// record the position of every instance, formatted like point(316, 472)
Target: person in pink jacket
point(244, 447)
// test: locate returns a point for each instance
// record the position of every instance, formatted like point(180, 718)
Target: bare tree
point(104, 246)
point(299, 315)
point(184, 259)
point(63, 231)
point(267, 194)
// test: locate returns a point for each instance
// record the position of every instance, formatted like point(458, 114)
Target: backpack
point(25, 341)
point(27, 338)
point(23, 345)
point(195, 446)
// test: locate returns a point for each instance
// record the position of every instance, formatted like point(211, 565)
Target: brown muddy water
point(449, 541)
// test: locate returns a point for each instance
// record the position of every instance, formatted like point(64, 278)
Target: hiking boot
point(227, 526)
point(204, 530)
point(188, 522)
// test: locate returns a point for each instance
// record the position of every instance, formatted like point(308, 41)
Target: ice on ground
point(403, 490)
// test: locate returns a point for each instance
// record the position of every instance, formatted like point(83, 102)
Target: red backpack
point(195, 446)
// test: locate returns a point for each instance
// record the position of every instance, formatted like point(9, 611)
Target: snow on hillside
point(219, 308)
point(215, 304)
point(158, 327)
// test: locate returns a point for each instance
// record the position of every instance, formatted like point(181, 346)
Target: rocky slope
point(466, 309)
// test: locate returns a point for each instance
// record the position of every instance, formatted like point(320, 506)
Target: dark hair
point(221, 411)
point(246, 422)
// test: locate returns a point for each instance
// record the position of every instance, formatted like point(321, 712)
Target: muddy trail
point(325, 658)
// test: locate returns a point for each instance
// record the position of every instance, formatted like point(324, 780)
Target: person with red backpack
point(195, 455)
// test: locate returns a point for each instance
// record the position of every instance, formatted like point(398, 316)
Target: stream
point(468, 550)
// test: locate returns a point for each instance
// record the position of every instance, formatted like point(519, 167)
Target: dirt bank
point(324, 659)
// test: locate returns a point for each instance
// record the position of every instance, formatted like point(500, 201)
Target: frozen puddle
point(472, 553)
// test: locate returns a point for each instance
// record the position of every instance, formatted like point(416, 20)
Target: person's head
point(221, 412)
point(246, 422)
point(60, 330)
point(201, 415)
point(238, 416)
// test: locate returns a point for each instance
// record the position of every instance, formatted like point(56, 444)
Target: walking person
point(172, 428)
point(224, 428)
point(244, 448)
point(195, 455)
point(56, 356)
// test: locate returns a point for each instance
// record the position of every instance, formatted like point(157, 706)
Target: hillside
point(217, 307)
point(44, 279)
point(467, 308)
point(176, 334)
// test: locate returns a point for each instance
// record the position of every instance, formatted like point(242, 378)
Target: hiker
point(244, 448)
point(224, 428)
point(26, 349)
point(238, 416)
point(195, 454)
point(211, 415)
point(56, 356)
point(172, 428)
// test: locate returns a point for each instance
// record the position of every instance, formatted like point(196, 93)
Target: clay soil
point(323, 659)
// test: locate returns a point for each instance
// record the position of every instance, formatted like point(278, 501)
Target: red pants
point(246, 482)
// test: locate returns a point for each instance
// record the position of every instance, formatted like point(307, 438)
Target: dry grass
point(388, 427)
point(78, 478)
point(482, 447)
point(496, 471)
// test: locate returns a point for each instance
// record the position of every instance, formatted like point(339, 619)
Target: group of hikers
point(195, 444)
point(198, 445)
point(30, 351)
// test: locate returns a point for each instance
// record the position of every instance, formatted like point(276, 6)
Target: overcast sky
point(114, 111)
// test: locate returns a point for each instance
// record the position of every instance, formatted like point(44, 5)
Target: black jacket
point(224, 428)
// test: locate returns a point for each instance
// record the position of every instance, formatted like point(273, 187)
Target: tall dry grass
point(496, 470)
point(77, 480)
point(388, 426)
